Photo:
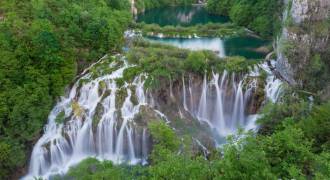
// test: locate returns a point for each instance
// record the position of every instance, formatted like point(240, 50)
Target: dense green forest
point(261, 16)
point(142, 5)
point(43, 45)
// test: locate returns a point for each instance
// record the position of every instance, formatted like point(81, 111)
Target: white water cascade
point(98, 116)
point(223, 101)
point(274, 85)
point(111, 137)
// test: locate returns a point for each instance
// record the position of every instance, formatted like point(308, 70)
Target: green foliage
point(119, 4)
point(196, 62)
point(11, 155)
point(292, 108)
point(43, 44)
point(60, 117)
point(295, 138)
point(207, 30)
point(93, 169)
point(220, 7)
point(164, 63)
point(149, 4)
point(244, 158)
point(316, 127)
point(131, 73)
point(262, 16)
point(180, 167)
point(323, 166)
point(289, 153)
point(163, 136)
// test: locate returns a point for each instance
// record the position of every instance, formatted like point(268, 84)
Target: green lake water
point(180, 15)
point(187, 16)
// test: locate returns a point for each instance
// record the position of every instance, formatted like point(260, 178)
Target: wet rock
point(121, 95)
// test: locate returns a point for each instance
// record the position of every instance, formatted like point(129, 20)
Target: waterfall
point(99, 116)
point(184, 94)
point(223, 102)
point(144, 146)
point(273, 86)
point(218, 115)
point(202, 113)
point(93, 127)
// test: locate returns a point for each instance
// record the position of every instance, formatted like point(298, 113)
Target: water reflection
point(213, 44)
point(182, 15)
point(249, 47)
point(235, 46)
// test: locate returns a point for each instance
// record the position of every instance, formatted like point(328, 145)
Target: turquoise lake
point(247, 46)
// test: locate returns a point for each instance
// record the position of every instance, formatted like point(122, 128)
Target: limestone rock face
point(302, 39)
point(309, 10)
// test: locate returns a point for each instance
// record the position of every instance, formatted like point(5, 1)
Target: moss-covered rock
point(60, 118)
point(134, 99)
point(121, 95)
point(99, 112)
point(78, 111)
point(102, 87)
point(145, 116)
point(120, 82)
point(130, 73)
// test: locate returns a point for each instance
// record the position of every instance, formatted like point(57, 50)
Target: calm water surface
point(236, 46)
point(187, 16)
point(180, 15)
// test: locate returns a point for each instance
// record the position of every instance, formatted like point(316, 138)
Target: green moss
point(134, 99)
point(83, 81)
point(120, 82)
point(60, 118)
point(78, 111)
point(131, 73)
point(105, 67)
point(102, 86)
point(95, 122)
point(106, 94)
point(121, 95)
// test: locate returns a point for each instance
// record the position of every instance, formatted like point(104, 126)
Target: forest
point(46, 44)
point(261, 16)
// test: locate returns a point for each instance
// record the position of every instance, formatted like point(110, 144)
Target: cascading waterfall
point(113, 137)
point(223, 102)
point(274, 85)
point(97, 124)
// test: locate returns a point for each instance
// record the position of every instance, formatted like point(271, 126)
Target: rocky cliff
point(303, 48)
